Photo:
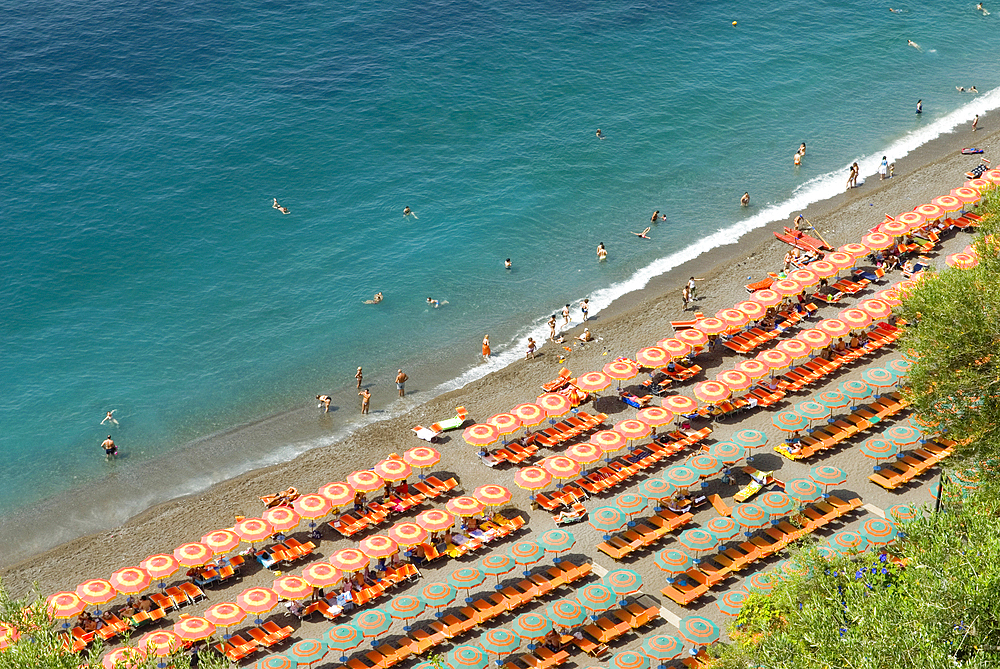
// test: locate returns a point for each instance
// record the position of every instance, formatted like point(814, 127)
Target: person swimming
point(982, 9)
point(643, 234)
point(599, 135)
point(375, 300)
point(283, 210)
point(913, 44)
point(745, 200)
point(408, 212)
point(433, 302)
point(110, 417)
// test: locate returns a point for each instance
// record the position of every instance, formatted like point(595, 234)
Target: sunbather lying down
point(283, 498)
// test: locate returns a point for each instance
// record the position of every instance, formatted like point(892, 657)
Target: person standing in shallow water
point(359, 376)
point(552, 328)
point(401, 378)
point(486, 347)
point(365, 396)
point(110, 450)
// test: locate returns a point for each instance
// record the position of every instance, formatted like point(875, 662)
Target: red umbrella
point(96, 591)
point(894, 228)
point(121, 658)
point(911, 219)
point(889, 296)
point(823, 268)
point(130, 580)
point(652, 356)
point(842, 260)
point(492, 494)
point(947, 203)
point(877, 309)
point(529, 414)
point(561, 467)
point(805, 277)
point(407, 534)
point(253, 530)
point(654, 416)
point(794, 348)
point(378, 546)
point(621, 370)
point(814, 338)
point(877, 240)
point(711, 391)
point(993, 176)
point(321, 574)
point(257, 600)
point(221, 541)
point(160, 643)
point(65, 605)
point(420, 457)
point(392, 469)
point(962, 260)
point(854, 250)
point(735, 379)
point(930, 212)
point(766, 297)
point(585, 452)
point(350, 559)
point(753, 310)
point(464, 505)
point(855, 318)
point(193, 554)
point(435, 520)
point(966, 194)
point(225, 614)
point(691, 336)
point(312, 506)
point(554, 404)
point(711, 326)
point(734, 318)
point(774, 359)
point(160, 566)
point(292, 587)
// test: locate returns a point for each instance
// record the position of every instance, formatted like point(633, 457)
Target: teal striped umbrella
point(607, 519)
point(879, 377)
point(438, 595)
point(566, 613)
point(878, 448)
point(846, 541)
point(673, 562)
point(629, 660)
point(662, 647)
point(812, 410)
point(307, 651)
point(466, 578)
point(531, 627)
point(803, 491)
point(595, 598)
point(657, 489)
point(623, 582)
point(704, 464)
point(467, 657)
point(878, 532)
point(499, 640)
point(728, 452)
point(776, 503)
point(750, 516)
point(631, 503)
point(698, 630)
point(827, 475)
point(373, 622)
point(731, 601)
point(903, 436)
point(855, 389)
point(680, 476)
point(343, 638)
point(789, 421)
point(795, 567)
point(722, 528)
point(901, 366)
point(525, 553)
point(406, 607)
point(833, 399)
point(826, 552)
point(762, 581)
point(557, 540)
point(750, 438)
point(496, 564)
point(276, 662)
point(697, 540)
point(902, 513)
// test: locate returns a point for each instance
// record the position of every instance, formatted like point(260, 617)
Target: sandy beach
point(638, 319)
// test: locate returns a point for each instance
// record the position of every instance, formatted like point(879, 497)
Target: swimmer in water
point(982, 9)
point(643, 234)
point(895, 11)
point(111, 414)
point(375, 300)
point(408, 212)
point(433, 302)
point(599, 135)
point(602, 252)
point(798, 159)
point(920, 106)
point(802, 149)
point(745, 200)
point(655, 217)
point(283, 210)
point(506, 263)
point(972, 89)
point(913, 44)
point(960, 89)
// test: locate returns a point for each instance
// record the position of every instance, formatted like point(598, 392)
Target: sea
point(144, 269)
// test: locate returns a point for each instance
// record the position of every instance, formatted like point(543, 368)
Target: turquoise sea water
point(145, 270)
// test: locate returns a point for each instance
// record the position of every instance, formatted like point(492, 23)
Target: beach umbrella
point(750, 438)
point(877, 241)
point(621, 370)
point(499, 640)
point(607, 519)
point(691, 336)
point(767, 297)
point(962, 260)
point(609, 441)
point(584, 453)
point(776, 503)
point(834, 327)
point(631, 503)
point(823, 269)
point(903, 436)
point(467, 657)
point(678, 348)
point(804, 277)
point(734, 318)
point(505, 423)
point(466, 578)
point(556, 541)
point(124, 657)
point(420, 457)
point(750, 516)
point(280, 518)
point(257, 600)
point(632, 429)
point(704, 464)
point(497, 564)
point(407, 534)
point(321, 574)
point(349, 559)
point(680, 476)
point(827, 475)
point(438, 595)
point(623, 582)
point(734, 379)
point(436, 520)
point(130, 580)
point(854, 249)
point(842, 260)
point(656, 489)
point(276, 662)
point(846, 541)
point(652, 356)
point(832, 399)
point(679, 404)
point(894, 228)
point(481, 434)
point(753, 368)
point(789, 421)
point(902, 513)
point(889, 296)
point(373, 623)
point(566, 613)
point(340, 493)
point(762, 581)
point(911, 219)
point(160, 567)
point(812, 410)
point(65, 605)
point(593, 381)
point(728, 452)
point(711, 326)
point(878, 532)
point(966, 194)
point(526, 552)
point(979, 184)
point(160, 643)
point(731, 602)
point(531, 627)
point(554, 404)
point(711, 392)
point(194, 628)
point(492, 494)
point(343, 638)
point(774, 359)
point(307, 651)
point(697, 540)
point(803, 491)
point(662, 648)
point(698, 630)
point(365, 481)
point(655, 416)
point(378, 546)
point(221, 541)
point(673, 561)
point(786, 287)
point(312, 506)
point(794, 348)
point(532, 478)
point(722, 528)
point(878, 377)
point(754, 311)
point(826, 552)
point(464, 506)
point(628, 660)
point(795, 567)
point(392, 469)
point(194, 554)
point(877, 309)
point(855, 389)
point(947, 203)
point(96, 591)
point(596, 598)
point(815, 338)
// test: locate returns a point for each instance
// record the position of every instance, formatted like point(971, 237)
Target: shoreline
point(634, 319)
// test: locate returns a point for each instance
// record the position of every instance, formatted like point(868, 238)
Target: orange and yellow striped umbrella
point(766, 297)
point(421, 457)
point(96, 591)
point(591, 382)
point(620, 370)
point(711, 325)
point(654, 416)
point(194, 628)
point(794, 348)
point(711, 391)
point(312, 506)
point(125, 657)
point(691, 336)
point(378, 546)
point(435, 520)
point(854, 249)
point(505, 423)
point(823, 269)
point(481, 434)
point(966, 194)
point(585, 452)
point(130, 580)
point(321, 574)
point(930, 212)
point(804, 277)
point(221, 541)
point(282, 519)
point(774, 359)
point(561, 467)
point(341, 494)
point(464, 505)
point(947, 203)
point(652, 356)
point(754, 310)
point(733, 318)
point(532, 478)
point(962, 260)
point(679, 404)
point(349, 559)
point(161, 643)
point(755, 369)
point(492, 494)
point(911, 219)
point(834, 327)
point(993, 176)
point(193, 554)
point(253, 530)
point(160, 566)
point(787, 287)
point(894, 228)
point(877, 309)
point(392, 469)
point(529, 414)
point(734, 379)
point(365, 480)
point(407, 534)
point(815, 338)
point(554, 404)
point(889, 296)
point(609, 441)
point(65, 605)
point(845, 260)
point(854, 318)
point(225, 614)
point(292, 587)
point(978, 184)
point(632, 428)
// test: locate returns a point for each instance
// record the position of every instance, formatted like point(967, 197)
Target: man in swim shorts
point(401, 378)
point(585, 308)
point(110, 450)
point(433, 303)
point(365, 396)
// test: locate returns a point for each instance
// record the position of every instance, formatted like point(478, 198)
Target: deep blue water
point(145, 270)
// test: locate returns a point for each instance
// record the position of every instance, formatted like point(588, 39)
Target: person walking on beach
point(686, 296)
point(585, 308)
point(359, 376)
point(552, 328)
point(531, 349)
point(324, 401)
point(401, 378)
point(365, 396)
point(975, 122)
point(692, 287)
point(602, 252)
point(566, 315)
point(110, 450)
point(486, 347)
point(111, 414)
point(745, 200)
point(883, 169)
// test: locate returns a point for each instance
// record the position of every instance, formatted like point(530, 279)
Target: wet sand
point(636, 320)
